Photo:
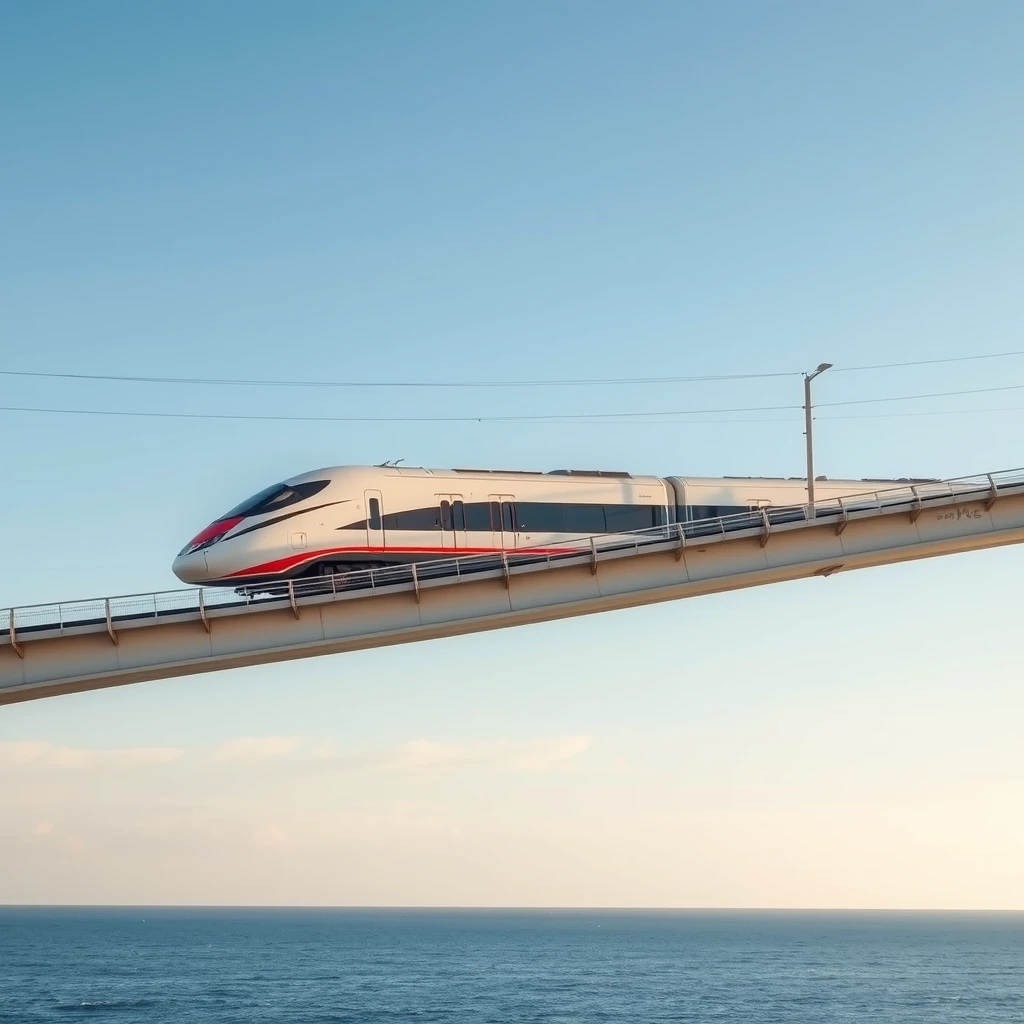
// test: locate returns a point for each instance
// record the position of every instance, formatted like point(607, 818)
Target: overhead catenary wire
point(791, 420)
point(643, 416)
point(926, 362)
point(253, 382)
point(537, 382)
point(289, 418)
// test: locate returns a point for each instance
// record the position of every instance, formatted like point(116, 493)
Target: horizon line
point(513, 908)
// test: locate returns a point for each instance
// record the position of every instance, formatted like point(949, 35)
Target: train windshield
point(274, 497)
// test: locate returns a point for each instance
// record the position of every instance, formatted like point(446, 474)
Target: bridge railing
point(168, 603)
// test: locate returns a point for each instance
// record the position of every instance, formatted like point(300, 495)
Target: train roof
point(868, 481)
point(607, 474)
point(862, 480)
point(392, 468)
point(551, 472)
point(474, 471)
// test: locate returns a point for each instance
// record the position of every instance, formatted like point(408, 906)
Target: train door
point(374, 520)
point(453, 521)
point(504, 531)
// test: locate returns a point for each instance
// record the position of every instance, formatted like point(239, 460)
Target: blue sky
point(454, 193)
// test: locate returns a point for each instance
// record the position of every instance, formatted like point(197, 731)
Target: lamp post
point(808, 377)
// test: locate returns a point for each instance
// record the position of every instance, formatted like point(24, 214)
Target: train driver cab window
point(285, 497)
point(259, 501)
point(275, 497)
point(374, 514)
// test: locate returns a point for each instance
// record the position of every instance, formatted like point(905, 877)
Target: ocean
point(497, 966)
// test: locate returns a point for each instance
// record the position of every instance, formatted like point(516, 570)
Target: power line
point(492, 418)
point(817, 405)
point(912, 398)
point(855, 416)
point(589, 419)
point(539, 382)
point(928, 412)
point(597, 421)
point(512, 418)
point(245, 382)
point(925, 362)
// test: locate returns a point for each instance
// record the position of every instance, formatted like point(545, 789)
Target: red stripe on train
point(282, 564)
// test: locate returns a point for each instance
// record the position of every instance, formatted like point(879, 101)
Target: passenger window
point(495, 517)
point(374, 514)
point(459, 515)
point(478, 516)
point(506, 516)
point(446, 515)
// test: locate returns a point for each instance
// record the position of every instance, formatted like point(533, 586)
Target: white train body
point(345, 518)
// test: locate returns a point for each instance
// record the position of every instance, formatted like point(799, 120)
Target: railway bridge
point(69, 647)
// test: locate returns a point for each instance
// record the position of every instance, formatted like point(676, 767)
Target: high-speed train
point(345, 518)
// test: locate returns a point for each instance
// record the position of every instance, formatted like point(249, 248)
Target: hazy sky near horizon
point(457, 193)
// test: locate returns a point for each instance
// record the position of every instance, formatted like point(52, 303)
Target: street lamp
point(808, 377)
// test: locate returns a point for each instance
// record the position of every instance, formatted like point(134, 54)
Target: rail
point(110, 611)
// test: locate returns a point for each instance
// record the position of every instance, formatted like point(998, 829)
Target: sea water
point(478, 966)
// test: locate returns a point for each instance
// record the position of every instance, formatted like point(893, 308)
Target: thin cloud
point(22, 752)
point(541, 754)
point(324, 752)
point(34, 752)
point(424, 753)
point(544, 754)
point(503, 755)
point(255, 747)
point(417, 755)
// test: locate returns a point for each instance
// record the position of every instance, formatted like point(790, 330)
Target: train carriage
point(348, 518)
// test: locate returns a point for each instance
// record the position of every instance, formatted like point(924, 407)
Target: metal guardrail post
point(593, 557)
point(681, 530)
point(504, 566)
point(992, 494)
point(767, 526)
point(416, 582)
point(291, 598)
point(918, 505)
point(18, 649)
point(202, 611)
point(110, 624)
point(844, 519)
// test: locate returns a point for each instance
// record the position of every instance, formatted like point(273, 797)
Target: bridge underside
point(69, 659)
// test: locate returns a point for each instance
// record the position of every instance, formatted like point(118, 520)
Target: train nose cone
point(190, 568)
